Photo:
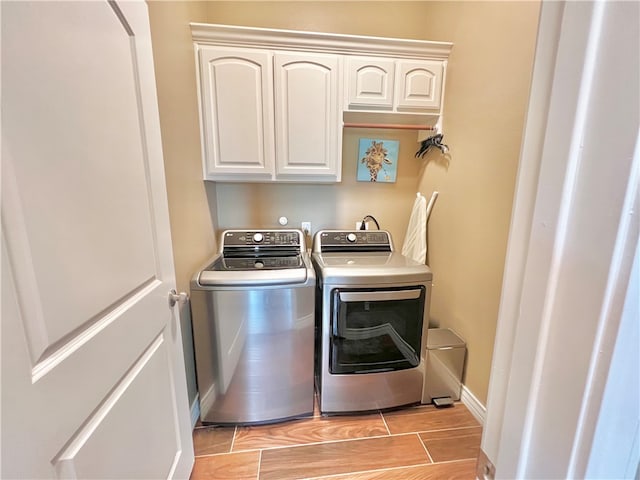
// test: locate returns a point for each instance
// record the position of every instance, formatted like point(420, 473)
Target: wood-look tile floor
point(415, 443)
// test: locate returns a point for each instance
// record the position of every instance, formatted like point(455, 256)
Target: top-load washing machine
point(253, 327)
point(371, 322)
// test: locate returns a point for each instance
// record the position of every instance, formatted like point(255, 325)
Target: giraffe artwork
point(378, 160)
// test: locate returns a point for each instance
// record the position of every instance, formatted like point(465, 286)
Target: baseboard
point(474, 405)
point(195, 411)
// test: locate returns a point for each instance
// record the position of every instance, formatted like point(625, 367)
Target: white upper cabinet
point(370, 83)
point(237, 113)
point(273, 102)
point(419, 85)
point(307, 116)
point(394, 85)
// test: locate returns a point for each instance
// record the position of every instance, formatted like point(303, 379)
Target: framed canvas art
point(377, 160)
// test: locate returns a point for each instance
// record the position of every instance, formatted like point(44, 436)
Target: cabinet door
point(370, 83)
point(237, 113)
point(308, 120)
point(419, 85)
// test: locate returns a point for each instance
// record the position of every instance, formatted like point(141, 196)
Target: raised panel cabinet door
point(370, 83)
point(236, 89)
point(419, 85)
point(308, 117)
point(93, 379)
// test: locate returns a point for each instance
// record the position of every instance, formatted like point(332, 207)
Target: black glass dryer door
point(376, 330)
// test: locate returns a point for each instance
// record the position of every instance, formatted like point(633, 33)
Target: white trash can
point(446, 352)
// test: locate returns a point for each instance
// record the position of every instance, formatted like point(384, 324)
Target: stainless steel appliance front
point(371, 322)
point(253, 323)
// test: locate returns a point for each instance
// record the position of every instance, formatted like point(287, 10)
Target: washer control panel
point(267, 238)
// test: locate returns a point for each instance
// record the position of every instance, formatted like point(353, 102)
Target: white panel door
point(236, 88)
point(308, 120)
point(419, 85)
point(93, 382)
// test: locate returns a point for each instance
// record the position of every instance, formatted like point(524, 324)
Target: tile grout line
point(425, 448)
point(233, 439)
point(456, 436)
point(322, 442)
point(385, 423)
point(454, 430)
point(451, 428)
point(375, 470)
point(296, 445)
point(388, 469)
point(457, 430)
point(259, 465)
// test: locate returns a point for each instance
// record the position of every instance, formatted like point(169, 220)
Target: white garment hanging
point(415, 240)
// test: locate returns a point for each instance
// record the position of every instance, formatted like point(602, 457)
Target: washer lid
point(245, 278)
point(255, 271)
point(256, 262)
point(443, 337)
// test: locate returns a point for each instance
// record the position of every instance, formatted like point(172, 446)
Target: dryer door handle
point(380, 295)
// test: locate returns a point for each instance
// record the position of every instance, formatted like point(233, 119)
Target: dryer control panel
point(352, 240)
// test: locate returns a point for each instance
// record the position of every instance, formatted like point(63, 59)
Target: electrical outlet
point(306, 227)
point(366, 225)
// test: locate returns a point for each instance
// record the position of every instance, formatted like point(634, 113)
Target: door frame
point(554, 187)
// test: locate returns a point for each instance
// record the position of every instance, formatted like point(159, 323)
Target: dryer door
point(376, 330)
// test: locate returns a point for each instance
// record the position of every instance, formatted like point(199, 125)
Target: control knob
point(258, 237)
point(351, 237)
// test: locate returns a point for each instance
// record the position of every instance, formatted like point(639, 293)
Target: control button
point(258, 237)
point(351, 237)
point(258, 264)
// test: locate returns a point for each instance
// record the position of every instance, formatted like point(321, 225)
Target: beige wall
point(192, 221)
point(330, 206)
point(486, 94)
point(486, 97)
point(485, 102)
point(191, 213)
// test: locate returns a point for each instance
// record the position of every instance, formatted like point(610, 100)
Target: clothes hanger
point(433, 141)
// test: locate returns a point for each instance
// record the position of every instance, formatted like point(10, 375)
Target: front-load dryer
point(371, 326)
